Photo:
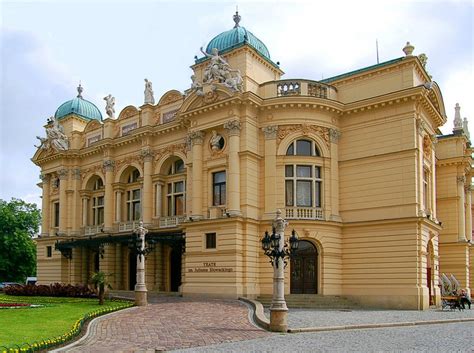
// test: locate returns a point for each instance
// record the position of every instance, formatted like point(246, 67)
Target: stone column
point(196, 138)
point(468, 213)
point(109, 195)
point(45, 205)
point(76, 201)
point(334, 136)
point(270, 133)
point(147, 196)
point(278, 308)
point(85, 209)
point(63, 175)
point(118, 205)
point(233, 178)
point(158, 200)
point(461, 209)
point(434, 213)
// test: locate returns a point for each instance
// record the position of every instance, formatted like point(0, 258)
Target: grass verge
point(56, 322)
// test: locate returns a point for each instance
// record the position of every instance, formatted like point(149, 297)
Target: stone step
point(315, 301)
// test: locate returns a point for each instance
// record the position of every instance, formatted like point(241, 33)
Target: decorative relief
point(45, 178)
point(334, 135)
point(427, 146)
point(233, 126)
point(172, 149)
point(126, 129)
point(196, 137)
point(93, 169)
point(420, 125)
point(284, 131)
point(147, 154)
point(210, 97)
point(108, 165)
point(169, 116)
point(54, 185)
point(270, 132)
point(63, 173)
point(76, 174)
point(461, 179)
point(126, 161)
point(170, 98)
point(216, 142)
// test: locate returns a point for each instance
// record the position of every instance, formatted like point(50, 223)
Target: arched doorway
point(429, 273)
point(304, 269)
point(175, 269)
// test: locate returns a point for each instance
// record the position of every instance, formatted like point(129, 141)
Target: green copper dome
point(235, 37)
point(79, 106)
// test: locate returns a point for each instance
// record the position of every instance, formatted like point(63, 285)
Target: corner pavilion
point(356, 163)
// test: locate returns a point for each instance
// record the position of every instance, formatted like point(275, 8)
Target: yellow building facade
point(355, 163)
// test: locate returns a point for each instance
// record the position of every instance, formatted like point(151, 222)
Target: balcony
point(128, 226)
point(304, 213)
point(308, 88)
point(93, 230)
point(169, 222)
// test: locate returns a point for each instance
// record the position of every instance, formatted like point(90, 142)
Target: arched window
point(176, 189)
point(303, 148)
point(133, 201)
point(96, 208)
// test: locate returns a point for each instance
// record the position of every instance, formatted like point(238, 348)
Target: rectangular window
point(210, 240)
point(304, 193)
point(49, 251)
point(425, 190)
point(289, 192)
point(133, 205)
point(219, 188)
point(56, 214)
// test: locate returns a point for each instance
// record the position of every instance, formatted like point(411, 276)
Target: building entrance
point(304, 269)
point(175, 266)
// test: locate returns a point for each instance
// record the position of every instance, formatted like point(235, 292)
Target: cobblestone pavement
point(457, 337)
point(170, 323)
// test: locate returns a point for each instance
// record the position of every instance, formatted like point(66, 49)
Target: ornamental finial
point(79, 90)
point(237, 18)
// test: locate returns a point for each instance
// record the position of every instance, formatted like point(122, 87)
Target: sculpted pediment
point(209, 96)
point(170, 97)
point(92, 125)
point(127, 112)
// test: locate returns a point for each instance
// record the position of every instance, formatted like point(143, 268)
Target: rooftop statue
point(55, 139)
point(149, 99)
point(110, 106)
point(196, 86)
point(220, 71)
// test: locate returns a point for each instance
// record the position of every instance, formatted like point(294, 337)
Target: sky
point(48, 47)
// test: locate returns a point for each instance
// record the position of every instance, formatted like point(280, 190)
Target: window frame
point(210, 240)
point(292, 180)
point(292, 149)
point(221, 187)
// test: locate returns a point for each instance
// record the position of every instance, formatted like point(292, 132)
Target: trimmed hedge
point(52, 290)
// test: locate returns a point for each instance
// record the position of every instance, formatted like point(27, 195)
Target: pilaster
point(196, 138)
point(233, 203)
point(45, 205)
point(270, 134)
point(109, 166)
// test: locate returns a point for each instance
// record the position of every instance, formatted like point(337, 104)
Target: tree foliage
point(99, 280)
point(19, 222)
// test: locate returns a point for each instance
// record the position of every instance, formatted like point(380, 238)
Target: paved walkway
point(169, 323)
point(174, 323)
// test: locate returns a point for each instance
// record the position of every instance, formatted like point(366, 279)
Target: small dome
point(79, 106)
point(235, 37)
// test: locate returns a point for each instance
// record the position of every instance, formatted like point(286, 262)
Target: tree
point(19, 222)
point(99, 280)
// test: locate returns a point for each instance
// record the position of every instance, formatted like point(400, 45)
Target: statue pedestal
point(141, 297)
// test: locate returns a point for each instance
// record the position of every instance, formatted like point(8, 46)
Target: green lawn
point(56, 318)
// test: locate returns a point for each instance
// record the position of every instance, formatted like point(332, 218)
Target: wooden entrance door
point(132, 270)
point(304, 269)
point(175, 265)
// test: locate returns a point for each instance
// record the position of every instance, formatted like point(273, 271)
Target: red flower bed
point(13, 304)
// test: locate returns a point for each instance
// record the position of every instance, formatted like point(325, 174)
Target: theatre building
point(380, 200)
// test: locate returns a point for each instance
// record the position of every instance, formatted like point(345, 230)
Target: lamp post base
point(141, 298)
point(278, 320)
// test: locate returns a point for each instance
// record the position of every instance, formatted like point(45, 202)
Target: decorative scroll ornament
point(233, 126)
point(427, 146)
point(270, 132)
point(284, 131)
point(196, 137)
point(76, 174)
point(461, 179)
point(420, 124)
point(45, 178)
point(334, 135)
point(63, 173)
point(147, 154)
point(108, 165)
point(56, 139)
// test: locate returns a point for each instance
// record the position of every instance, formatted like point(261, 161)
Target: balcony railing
point(128, 226)
point(304, 213)
point(92, 230)
point(298, 87)
point(173, 221)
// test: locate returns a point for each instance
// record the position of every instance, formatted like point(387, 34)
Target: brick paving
point(170, 323)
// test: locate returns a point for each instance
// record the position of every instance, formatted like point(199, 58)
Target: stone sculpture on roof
point(110, 106)
point(149, 99)
point(220, 71)
point(55, 139)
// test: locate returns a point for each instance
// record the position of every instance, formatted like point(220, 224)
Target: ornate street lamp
point(137, 244)
point(275, 247)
